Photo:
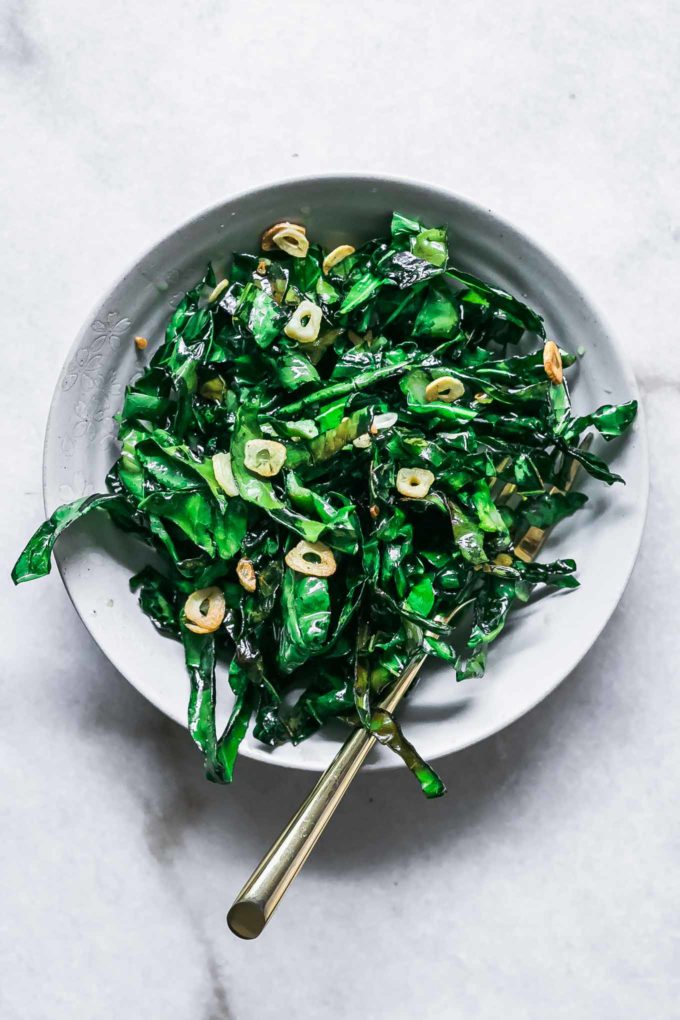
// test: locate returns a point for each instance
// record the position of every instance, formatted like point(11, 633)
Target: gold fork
point(264, 890)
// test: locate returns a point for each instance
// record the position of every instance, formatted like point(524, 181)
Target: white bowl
point(543, 641)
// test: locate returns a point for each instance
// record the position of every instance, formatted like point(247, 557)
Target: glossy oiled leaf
point(403, 227)
point(306, 611)
point(334, 439)
point(431, 245)
point(594, 465)
point(295, 369)
point(176, 466)
point(406, 269)
point(559, 574)
point(35, 559)
point(229, 528)
point(342, 529)
point(420, 599)
point(261, 315)
point(230, 741)
point(192, 512)
point(527, 475)
point(488, 515)
point(548, 509)
point(158, 600)
point(148, 400)
point(199, 653)
point(467, 536)
point(384, 727)
point(438, 315)
point(495, 298)
point(363, 288)
point(609, 420)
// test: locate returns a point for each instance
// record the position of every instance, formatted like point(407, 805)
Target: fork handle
point(263, 891)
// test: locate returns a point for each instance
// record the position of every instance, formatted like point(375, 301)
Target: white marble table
point(546, 884)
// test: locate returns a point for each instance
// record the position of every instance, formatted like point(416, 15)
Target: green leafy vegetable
point(35, 559)
point(318, 581)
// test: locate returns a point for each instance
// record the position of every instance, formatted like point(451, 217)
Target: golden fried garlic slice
point(204, 610)
point(552, 362)
point(224, 476)
point(336, 256)
point(265, 457)
point(312, 558)
point(414, 482)
point(245, 571)
point(288, 237)
point(217, 291)
point(445, 388)
point(267, 239)
point(305, 323)
point(292, 240)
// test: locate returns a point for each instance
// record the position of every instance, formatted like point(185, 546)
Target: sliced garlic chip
point(204, 610)
point(337, 255)
point(224, 476)
point(305, 323)
point(312, 558)
point(217, 291)
point(362, 442)
point(382, 422)
point(445, 388)
point(414, 482)
point(292, 240)
point(267, 239)
point(195, 629)
point(265, 457)
point(245, 571)
point(552, 362)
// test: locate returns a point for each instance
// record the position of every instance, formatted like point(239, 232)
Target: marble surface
point(546, 883)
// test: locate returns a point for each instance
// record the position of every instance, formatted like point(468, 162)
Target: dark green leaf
point(157, 599)
point(384, 727)
point(438, 316)
point(35, 559)
point(549, 509)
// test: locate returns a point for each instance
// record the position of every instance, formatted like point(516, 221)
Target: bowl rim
point(475, 208)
